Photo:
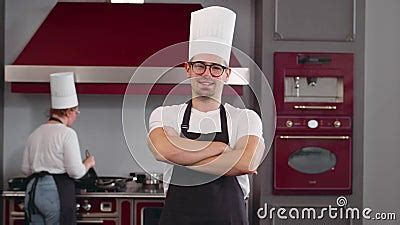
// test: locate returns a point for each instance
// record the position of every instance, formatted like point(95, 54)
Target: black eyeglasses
point(199, 68)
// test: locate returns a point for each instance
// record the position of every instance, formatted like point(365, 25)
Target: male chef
point(211, 147)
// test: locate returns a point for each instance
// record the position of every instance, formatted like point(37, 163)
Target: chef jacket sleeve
point(72, 156)
point(250, 124)
point(162, 117)
point(26, 167)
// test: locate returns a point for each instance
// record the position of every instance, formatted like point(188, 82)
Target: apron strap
point(56, 119)
point(186, 117)
point(222, 113)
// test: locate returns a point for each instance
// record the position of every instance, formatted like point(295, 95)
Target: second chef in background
point(52, 159)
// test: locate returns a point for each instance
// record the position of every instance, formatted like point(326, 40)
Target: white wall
point(22, 19)
point(382, 108)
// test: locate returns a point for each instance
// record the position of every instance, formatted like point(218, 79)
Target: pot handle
point(138, 177)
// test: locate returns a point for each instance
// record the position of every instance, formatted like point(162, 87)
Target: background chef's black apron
point(219, 202)
point(66, 193)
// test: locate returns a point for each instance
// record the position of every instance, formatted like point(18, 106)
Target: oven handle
point(16, 214)
point(100, 221)
point(316, 107)
point(316, 137)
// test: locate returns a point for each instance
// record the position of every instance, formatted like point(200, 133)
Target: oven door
point(312, 164)
point(148, 212)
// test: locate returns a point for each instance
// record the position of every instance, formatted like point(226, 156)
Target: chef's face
point(72, 114)
point(207, 74)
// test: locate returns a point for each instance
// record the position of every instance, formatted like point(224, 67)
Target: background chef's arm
point(167, 146)
point(72, 156)
point(243, 159)
point(26, 165)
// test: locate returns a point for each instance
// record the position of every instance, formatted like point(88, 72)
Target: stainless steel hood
point(105, 43)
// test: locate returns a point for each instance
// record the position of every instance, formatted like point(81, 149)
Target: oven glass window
point(151, 215)
point(314, 89)
point(312, 160)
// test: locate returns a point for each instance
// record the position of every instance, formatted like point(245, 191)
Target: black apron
point(219, 202)
point(66, 193)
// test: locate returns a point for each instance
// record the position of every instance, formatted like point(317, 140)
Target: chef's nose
point(207, 73)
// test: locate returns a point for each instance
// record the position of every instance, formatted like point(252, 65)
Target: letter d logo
point(262, 212)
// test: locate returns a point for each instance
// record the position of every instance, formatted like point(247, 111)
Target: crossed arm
point(206, 156)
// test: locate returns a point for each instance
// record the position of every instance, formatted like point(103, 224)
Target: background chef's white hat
point(63, 93)
point(211, 32)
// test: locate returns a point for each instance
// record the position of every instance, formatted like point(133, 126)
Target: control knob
point(86, 206)
point(312, 124)
point(337, 123)
point(289, 123)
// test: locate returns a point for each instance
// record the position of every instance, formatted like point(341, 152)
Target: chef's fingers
point(90, 161)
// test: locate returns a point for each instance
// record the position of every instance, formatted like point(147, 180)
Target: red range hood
point(103, 44)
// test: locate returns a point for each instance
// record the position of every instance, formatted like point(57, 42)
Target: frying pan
point(18, 183)
point(111, 182)
point(91, 181)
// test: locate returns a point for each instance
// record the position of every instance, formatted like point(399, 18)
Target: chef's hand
point(89, 162)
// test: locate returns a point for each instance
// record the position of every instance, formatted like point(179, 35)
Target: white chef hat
point(63, 93)
point(211, 32)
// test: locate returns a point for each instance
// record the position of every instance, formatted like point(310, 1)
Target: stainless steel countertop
point(97, 194)
point(133, 191)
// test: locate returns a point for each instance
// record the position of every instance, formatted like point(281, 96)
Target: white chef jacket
point(53, 148)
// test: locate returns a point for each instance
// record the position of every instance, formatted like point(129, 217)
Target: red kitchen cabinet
point(125, 213)
point(18, 221)
point(13, 211)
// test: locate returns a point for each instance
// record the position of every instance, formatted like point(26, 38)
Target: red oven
point(313, 83)
point(313, 143)
point(313, 155)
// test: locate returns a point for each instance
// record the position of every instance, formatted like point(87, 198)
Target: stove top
point(97, 189)
point(130, 187)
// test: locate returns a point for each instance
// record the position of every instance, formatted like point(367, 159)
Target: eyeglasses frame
point(209, 65)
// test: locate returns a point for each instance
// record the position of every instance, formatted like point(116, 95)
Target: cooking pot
point(148, 178)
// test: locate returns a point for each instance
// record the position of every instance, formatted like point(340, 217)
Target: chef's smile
point(206, 83)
